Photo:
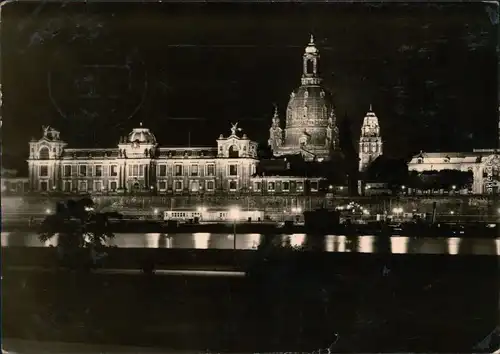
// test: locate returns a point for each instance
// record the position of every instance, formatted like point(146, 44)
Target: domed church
point(311, 128)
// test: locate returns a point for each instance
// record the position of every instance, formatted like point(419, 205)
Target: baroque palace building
point(139, 164)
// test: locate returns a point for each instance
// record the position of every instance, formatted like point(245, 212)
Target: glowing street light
point(397, 210)
point(201, 209)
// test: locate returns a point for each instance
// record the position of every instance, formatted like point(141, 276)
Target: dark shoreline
point(289, 301)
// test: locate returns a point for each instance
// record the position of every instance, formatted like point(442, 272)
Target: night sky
point(429, 70)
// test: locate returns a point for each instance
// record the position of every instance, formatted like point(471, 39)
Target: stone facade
point(139, 164)
point(484, 164)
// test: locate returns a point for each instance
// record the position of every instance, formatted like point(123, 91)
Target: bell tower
point(370, 142)
point(310, 61)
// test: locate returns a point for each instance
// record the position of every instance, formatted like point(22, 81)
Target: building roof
point(189, 152)
point(142, 136)
point(86, 154)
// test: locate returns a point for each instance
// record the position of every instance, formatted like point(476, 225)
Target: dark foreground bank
point(291, 301)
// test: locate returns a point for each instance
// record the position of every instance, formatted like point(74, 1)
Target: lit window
point(98, 171)
point(194, 170)
point(314, 186)
point(67, 170)
point(211, 170)
point(257, 186)
point(114, 171)
point(210, 185)
point(98, 186)
point(82, 186)
point(44, 171)
point(270, 186)
point(178, 170)
point(44, 153)
point(83, 171)
point(178, 185)
point(135, 170)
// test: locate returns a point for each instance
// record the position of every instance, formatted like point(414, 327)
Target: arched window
point(233, 152)
point(44, 153)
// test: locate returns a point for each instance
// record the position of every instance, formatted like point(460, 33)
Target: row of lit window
point(366, 148)
point(194, 170)
point(80, 170)
point(195, 186)
point(82, 186)
point(284, 186)
point(133, 170)
point(178, 185)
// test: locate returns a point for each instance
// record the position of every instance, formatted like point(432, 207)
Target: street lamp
point(397, 210)
point(234, 214)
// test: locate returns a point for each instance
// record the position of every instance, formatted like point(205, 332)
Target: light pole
point(234, 214)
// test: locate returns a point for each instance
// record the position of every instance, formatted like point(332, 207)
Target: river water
point(329, 243)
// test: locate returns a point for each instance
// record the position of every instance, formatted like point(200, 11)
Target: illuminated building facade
point(139, 164)
point(370, 141)
point(311, 127)
point(483, 163)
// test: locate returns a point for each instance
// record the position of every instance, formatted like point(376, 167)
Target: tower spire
point(371, 108)
point(311, 39)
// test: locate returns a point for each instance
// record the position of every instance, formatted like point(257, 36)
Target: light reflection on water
point(330, 243)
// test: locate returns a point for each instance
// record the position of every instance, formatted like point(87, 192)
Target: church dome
point(310, 127)
point(309, 105)
point(142, 136)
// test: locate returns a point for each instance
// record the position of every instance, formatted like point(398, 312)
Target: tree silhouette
point(78, 227)
point(393, 172)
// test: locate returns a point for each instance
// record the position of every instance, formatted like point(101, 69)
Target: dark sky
point(429, 70)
